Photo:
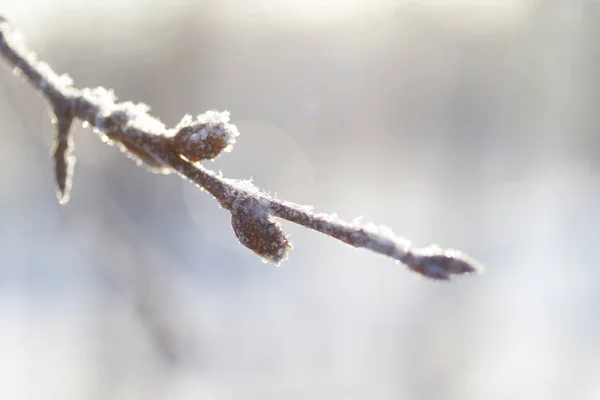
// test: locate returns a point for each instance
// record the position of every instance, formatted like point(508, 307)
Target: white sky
point(280, 11)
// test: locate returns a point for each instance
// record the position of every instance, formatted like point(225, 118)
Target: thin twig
point(144, 138)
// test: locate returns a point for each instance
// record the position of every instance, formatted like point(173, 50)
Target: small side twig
point(64, 161)
point(145, 139)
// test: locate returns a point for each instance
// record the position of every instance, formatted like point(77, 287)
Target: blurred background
point(470, 124)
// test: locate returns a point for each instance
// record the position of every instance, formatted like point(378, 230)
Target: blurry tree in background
point(469, 125)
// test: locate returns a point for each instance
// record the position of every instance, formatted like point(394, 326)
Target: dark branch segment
point(64, 160)
point(145, 139)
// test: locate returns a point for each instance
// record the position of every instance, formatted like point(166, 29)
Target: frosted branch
point(145, 139)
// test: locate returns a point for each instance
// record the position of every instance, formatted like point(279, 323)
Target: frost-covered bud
point(258, 230)
point(205, 137)
point(437, 263)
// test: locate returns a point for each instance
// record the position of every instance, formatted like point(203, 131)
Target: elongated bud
point(258, 230)
point(437, 263)
point(64, 160)
point(205, 137)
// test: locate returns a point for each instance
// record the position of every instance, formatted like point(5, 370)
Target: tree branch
point(161, 150)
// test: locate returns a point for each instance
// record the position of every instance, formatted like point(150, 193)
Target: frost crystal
point(131, 114)
point(205, 137)
point(51, 78)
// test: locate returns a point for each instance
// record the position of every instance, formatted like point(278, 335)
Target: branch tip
point(437, 263)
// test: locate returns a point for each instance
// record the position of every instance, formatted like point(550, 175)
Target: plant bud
point(258, 230)
point(437, 263)
point(205, 137)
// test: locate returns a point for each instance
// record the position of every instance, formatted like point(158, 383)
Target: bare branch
point(64, 161)
point(144, 138)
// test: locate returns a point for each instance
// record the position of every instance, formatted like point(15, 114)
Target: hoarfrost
point(211, 122)
point(133, 114)
point(50, 77)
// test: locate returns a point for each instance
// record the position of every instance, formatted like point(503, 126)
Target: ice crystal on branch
point(253, 213)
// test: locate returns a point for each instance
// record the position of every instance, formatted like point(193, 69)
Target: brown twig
point(163, 150)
